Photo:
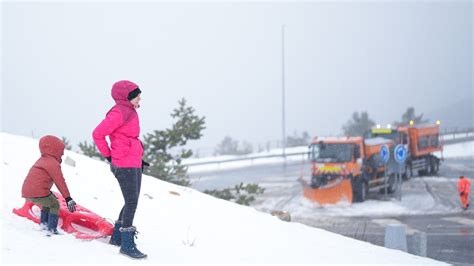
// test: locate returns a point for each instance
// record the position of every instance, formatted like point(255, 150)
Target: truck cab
point(334, 159)
point(353, 159)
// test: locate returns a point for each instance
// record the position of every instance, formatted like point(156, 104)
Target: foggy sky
point(60, 60)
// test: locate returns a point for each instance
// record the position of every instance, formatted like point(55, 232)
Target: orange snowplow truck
point(346, 168)
point(421, 141)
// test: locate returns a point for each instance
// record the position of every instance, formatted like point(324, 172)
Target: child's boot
point(53, 224)
point(44, 219)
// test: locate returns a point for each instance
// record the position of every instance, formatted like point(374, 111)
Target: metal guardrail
point(456, 130)
point(455, 139)
point(249, 158)
point(459, 139)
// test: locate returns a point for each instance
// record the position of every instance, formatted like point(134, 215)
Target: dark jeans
point(130, 181)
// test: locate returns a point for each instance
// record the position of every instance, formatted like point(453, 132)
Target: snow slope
point(189, 228)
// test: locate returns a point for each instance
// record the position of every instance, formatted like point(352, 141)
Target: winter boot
point(53, 224)
point(128, 246)
point(44, 219)
point(116, 238)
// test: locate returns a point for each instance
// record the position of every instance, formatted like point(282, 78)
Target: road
point(450, 238)
point(428, 204)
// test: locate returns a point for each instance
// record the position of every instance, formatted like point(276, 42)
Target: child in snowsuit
point(41, 177)
point(464, 187)
point(125, 153)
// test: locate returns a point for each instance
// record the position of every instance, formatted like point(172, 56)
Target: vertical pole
point(283, 89)
point(399, 179)
point(385, 179)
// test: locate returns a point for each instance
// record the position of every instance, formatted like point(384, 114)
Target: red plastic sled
point(83, 223)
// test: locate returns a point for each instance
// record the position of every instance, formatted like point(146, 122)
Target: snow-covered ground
point(189, 228)
point(415, 200)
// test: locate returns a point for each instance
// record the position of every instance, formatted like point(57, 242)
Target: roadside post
point(400, 155)
point(385, 156)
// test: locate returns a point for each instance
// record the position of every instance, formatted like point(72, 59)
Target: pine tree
point(410, 115)
point(160, 144)
point(242, 194)
point(295, 140)
point(247, 148)
point(90, 150)
point(228, 146)
point(66, 143)
point(358, 125)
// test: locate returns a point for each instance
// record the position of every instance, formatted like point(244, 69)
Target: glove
point(144, 164)
point(71, 204)
point(109, 159)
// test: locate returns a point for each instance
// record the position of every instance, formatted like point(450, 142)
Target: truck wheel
point(428, 166)
point(434, 165)
point(361, 191)
point(431, 165)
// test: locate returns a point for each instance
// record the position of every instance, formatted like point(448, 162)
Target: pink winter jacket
point(121, 124)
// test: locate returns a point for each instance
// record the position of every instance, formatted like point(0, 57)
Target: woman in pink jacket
point(125, 153)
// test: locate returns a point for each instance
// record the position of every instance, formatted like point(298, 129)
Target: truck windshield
point(325, 153)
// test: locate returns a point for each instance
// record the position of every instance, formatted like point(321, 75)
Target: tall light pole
point(283, 135)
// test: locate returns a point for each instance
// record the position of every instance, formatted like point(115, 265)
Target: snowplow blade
point(335, 193)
